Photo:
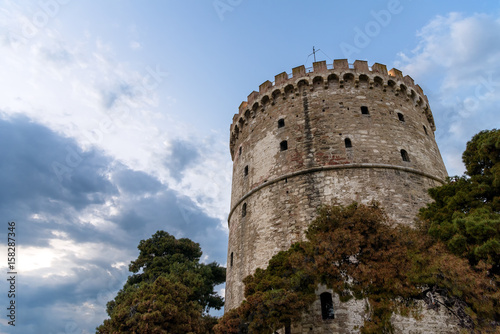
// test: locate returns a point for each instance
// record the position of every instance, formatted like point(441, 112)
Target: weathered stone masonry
point(341, 134)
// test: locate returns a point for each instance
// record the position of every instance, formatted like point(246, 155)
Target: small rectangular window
point(347, 143)
point(327, 306)
point(284, 145)
point(405, 156)
point(281, 123)
point(245, 171)
point(364, 110)
point(244, 210)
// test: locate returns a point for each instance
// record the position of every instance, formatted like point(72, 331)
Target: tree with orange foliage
point(355, 252)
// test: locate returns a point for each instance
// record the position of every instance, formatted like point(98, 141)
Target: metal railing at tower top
point(311, 70)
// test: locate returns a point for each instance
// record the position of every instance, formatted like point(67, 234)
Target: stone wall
point(349, 133)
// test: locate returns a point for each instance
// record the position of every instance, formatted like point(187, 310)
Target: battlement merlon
point(340, 68)
point(339, 65)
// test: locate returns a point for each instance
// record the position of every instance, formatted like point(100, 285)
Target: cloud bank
point(457, 58)
point(77, 234)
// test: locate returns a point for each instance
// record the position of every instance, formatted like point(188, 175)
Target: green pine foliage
point(465, 214)
point(170, 291)
point(159, 307)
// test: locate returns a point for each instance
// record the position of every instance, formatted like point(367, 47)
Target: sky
point(115, 115)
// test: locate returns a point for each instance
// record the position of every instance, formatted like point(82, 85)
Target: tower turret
point(330, 134)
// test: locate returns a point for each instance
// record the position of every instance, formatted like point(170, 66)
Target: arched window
point(284, 145)
point(244, 210)
point(347, 143)
point(326, 306)
point(281, 123)
point(401, 117)
point(364, 110)
point(405, 156)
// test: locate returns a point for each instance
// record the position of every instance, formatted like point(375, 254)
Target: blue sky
point(114, 120)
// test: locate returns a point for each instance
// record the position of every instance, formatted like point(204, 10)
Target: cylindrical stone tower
point(332, 134)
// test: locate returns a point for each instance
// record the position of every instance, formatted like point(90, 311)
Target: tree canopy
point(170, 291)
point(451, 260)
point(356, 252)
point(465, 213)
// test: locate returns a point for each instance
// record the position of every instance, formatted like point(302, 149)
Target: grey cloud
point(29, 151)
point(110, 97)
point(41, 304)
point(57, 55)
point(136, 182)
point(29, 186)
point(183, 154)
point(177, 215)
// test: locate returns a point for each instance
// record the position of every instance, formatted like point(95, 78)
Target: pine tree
point(170, 291)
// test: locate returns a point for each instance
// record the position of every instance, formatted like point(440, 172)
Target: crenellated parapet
point(340, 75)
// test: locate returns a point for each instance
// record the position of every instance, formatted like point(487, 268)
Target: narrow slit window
point(244, 210)
point(364, 110)
point(401, 117)
point(405, 156)
point(239, 151)
point(231, 259)
point(327, 306)
point(281, 123)
point(284, 145)
point(245, 171)
point(347, 143)
point(425, 130)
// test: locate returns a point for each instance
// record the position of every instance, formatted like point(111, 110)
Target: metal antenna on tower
point(314, 53)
